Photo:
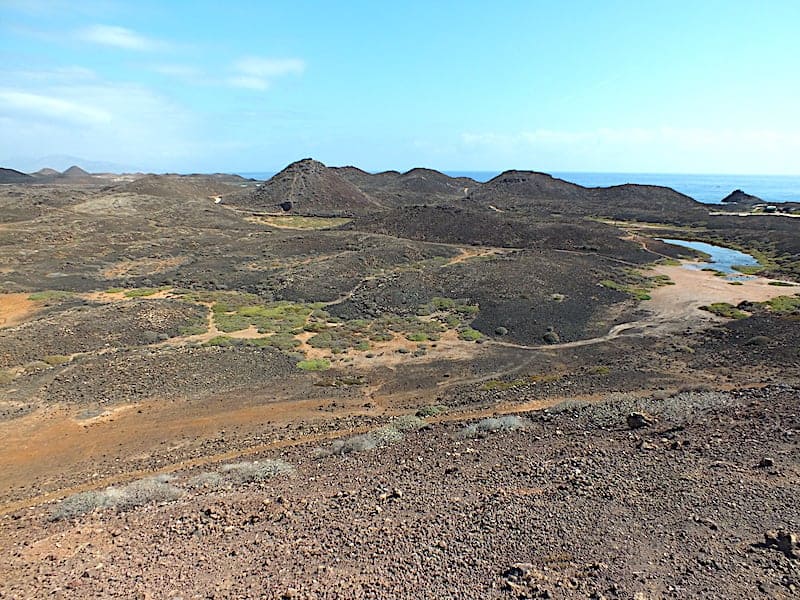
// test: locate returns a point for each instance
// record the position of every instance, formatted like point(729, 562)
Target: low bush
point(127, 497)
point(314, 364)
point(493, 425)
point(470, 335)
point(383, 436)
point(431, 411)
point(724, 309)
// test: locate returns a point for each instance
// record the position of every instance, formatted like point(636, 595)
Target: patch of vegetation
point(748, 269)
point(493, 425)
point(637, 284)
point(314, 364)
point(469, 335)
point(735, 283)
point(281, 341)
point(389, 434)
point(51, 296)
point(432, 410)
point(782, 283)
point(669, 262)
point(417, 336)
point(723, 309)
point(783, 304)
point(114, 290)
point(143, 292)
point(196, 329)
point(275, 317)
point(600, 370)
point(461, 308)
point(551, 337)
point(137, 493)
point(56, 359)
point(221, 340)
point(298, 222)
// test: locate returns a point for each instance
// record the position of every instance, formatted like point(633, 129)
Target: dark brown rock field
point(338, 384)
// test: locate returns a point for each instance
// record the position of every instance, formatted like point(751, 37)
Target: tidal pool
point(721, 259)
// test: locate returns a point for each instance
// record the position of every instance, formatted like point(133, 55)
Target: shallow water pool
point(722, 259)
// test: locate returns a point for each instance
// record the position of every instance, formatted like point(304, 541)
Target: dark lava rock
point(740, 197)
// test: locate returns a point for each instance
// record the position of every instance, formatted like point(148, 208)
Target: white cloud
point(91, 117)
point(119, 37)
point(255, 73)
point(49, 106)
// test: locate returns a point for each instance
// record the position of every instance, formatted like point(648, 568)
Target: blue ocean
point(703, 188)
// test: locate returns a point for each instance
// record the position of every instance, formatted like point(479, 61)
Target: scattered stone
point(637, 420)
point(784, 541)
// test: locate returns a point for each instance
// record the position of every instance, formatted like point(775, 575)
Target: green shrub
point(723, 309)
point(551, 337)
point(196, 329)
point(783, 304)
point(431, 411)
point(314, 364)
point(56, 359)
point(470, 335)
point(142, 292)
point(50, 296)
point(221, 340)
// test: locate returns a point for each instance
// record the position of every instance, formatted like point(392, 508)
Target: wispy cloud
point(38, 105)
point(90, 116)
point(255, 73)
point(119, 37)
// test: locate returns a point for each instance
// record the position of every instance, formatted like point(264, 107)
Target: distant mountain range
point(46, 175)
point(62, 162)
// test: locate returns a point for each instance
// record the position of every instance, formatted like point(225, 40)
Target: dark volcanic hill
point(308, 187)
point(542, 195)
point(75, 172)
point(417, 186)
point(12, 176)
point(740, 197)
point(526, 185)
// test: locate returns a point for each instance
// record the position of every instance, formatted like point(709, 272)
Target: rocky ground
point(399, 386)
point(572, 504)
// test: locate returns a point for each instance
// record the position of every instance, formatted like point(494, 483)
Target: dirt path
point(131, 424)
point(676, 307)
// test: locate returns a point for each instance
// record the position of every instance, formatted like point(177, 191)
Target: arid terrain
point(338, 384)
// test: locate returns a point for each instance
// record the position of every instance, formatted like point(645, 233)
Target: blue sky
point(649, 86)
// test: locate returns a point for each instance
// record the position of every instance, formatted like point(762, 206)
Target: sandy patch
point(695, 288)
point(16, 308)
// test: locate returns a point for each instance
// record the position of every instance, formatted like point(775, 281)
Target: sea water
point(710, 189)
